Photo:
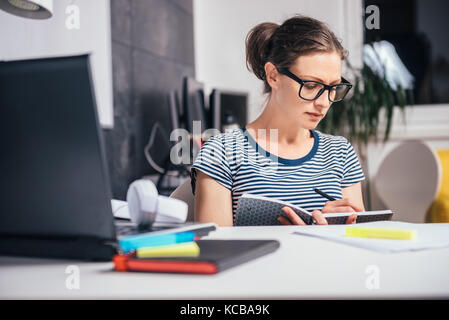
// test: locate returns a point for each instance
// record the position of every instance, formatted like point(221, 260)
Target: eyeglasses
point(311, 90)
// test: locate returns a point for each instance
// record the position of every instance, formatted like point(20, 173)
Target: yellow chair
point(439, 210)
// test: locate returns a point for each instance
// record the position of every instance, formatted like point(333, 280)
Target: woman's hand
point(343, 205)
point(296, 220)
point(352, 202)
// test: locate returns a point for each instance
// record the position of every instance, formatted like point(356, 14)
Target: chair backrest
point(408, 180)
point(439, 211)
point(184, 192)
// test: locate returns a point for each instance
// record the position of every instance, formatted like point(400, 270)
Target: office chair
point(408, 180)
point(184, 192)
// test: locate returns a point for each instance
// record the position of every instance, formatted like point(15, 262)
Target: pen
point(324, 194)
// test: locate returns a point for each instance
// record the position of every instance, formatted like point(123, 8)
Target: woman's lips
point(315, 115)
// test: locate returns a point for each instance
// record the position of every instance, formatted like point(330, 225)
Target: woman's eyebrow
point(308, 77)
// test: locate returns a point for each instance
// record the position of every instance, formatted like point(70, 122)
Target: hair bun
point(258, 46)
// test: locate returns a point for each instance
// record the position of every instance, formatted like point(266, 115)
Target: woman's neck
point(288, 131)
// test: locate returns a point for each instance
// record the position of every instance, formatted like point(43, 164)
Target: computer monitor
point(194, 104)
point(225, 103)
point(158, 149)
point(173, 105)
point(56, 198)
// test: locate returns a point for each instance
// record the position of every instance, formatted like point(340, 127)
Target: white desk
point(302, 267)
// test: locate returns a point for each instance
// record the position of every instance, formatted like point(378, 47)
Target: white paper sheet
point(429, 236)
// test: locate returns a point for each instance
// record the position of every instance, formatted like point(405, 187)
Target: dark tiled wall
point(152, 49)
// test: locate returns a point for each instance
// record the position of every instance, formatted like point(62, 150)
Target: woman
point(279, 154)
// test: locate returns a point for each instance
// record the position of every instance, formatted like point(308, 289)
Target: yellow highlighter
point(185, 249)
point(380, 233)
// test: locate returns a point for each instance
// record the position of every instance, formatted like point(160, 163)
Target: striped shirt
point(235, 160)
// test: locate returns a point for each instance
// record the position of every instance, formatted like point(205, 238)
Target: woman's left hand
point(294, 219)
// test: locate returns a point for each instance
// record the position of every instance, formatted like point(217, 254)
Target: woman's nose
point(323, 100)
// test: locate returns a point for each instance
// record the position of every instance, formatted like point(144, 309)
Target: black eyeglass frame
point(327, 87)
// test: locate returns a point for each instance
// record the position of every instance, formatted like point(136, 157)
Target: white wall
point(220, 28)
point(27, 38)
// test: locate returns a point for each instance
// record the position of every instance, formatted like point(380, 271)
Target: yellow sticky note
point(380, 233)
point(185, 249)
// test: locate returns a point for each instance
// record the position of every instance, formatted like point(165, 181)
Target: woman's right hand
point(296, 220)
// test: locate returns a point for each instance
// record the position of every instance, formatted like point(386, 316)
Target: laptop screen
point(54, 180)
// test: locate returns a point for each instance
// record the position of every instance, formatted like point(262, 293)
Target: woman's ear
point(272, 75)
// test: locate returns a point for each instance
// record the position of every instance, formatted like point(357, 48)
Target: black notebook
point(256, 210)
point(215, 256)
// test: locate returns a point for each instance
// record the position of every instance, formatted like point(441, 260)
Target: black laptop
point(54, 186)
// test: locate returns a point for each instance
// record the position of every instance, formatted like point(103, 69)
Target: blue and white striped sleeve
point(352, 170)
point(212, 161)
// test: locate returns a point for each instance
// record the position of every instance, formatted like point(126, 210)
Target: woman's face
point(324, 67)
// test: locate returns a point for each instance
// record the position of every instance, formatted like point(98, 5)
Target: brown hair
point(283, 44)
